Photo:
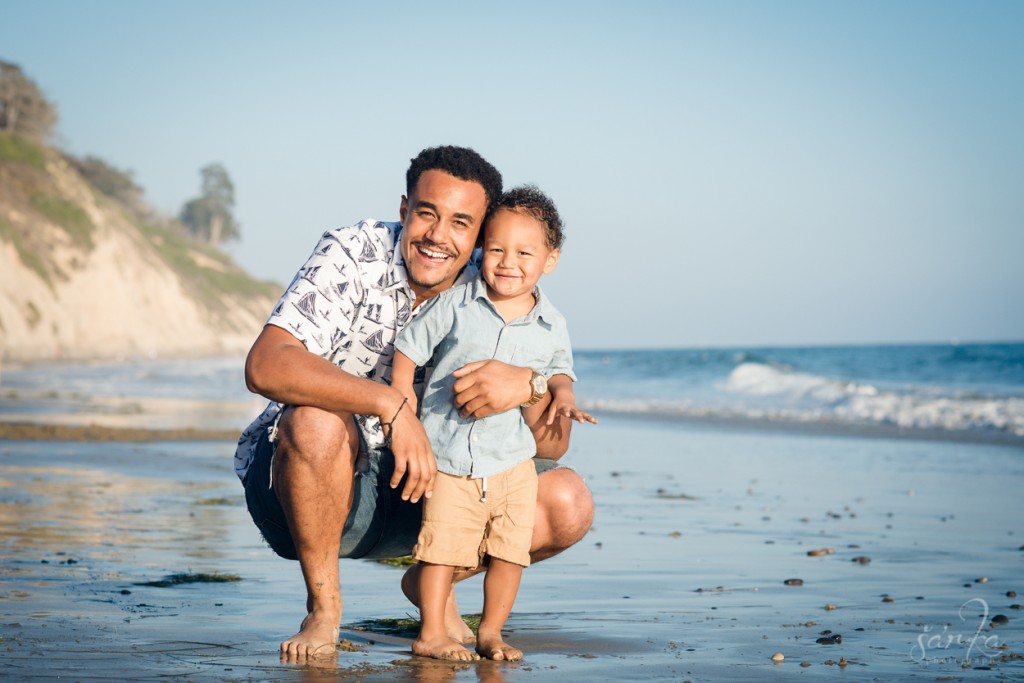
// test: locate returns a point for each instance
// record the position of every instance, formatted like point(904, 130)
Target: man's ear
point(552, 260)
point(403, 209)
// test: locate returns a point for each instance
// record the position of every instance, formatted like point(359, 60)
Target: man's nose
point(438, 232)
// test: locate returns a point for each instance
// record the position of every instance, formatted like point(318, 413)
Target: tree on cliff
point(208, 217)
point(23, 108)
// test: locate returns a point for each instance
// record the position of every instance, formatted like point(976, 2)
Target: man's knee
point(566, 502)
point(317, 436)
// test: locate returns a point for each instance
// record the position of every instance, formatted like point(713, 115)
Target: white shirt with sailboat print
point(347, 304)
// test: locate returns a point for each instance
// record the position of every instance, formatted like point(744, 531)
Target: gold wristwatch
point(539, 384)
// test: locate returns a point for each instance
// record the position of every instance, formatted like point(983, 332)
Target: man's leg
point(312, 475)
point(565, 511)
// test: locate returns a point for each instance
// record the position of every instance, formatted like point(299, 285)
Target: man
point(324, 465)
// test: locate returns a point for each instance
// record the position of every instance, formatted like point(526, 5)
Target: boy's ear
point(552, 260)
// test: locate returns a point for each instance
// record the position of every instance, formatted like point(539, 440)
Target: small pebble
point(821, 551)
point(675, 534)
point(834, 639)
point(125, 591)
point(1000, 619)
point(830, 607)
point(888, 599)
point(778, 657)
point(861, 559)
point(805, 664)
point(982, 579)
point(1015, 606)
point(794, 582)
point(1011, 594)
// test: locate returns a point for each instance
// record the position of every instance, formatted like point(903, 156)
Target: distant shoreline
point(27, 431)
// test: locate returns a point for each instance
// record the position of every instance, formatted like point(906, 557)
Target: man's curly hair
point(461, 162)
point(530, 200)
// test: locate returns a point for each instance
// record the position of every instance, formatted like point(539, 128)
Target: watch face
point(540, 384)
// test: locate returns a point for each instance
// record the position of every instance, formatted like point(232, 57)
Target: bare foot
point(497, 649)
point(317, 637)
point(443, 648)
point(457, 629)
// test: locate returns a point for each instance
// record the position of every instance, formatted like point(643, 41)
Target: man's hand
point(489, 387)
point(413, 455)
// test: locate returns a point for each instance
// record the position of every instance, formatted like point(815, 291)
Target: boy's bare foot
point(457, 629)
point(317, 637)
point(443, 648)
point(497, 649)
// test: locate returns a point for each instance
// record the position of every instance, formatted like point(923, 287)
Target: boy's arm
point(550, 419)
point(563, 401)
point(402, 373)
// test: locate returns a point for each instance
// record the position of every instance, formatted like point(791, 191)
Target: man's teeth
point(433, 254)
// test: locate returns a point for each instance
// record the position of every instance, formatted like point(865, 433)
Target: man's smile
point(432, 253)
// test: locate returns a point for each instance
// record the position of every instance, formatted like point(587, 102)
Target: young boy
point(486, 490)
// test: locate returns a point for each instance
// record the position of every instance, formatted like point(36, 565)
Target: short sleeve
point(320, 304)
point(426, 331)
point(561, 358)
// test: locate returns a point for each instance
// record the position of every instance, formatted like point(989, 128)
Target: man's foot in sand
point(443, 648)
point(317, 637)
point(457, 628)
point(497, 649)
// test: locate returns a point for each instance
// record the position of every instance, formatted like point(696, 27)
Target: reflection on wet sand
point(56, 511)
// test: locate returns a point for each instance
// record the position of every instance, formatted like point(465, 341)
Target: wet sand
point(690, 571)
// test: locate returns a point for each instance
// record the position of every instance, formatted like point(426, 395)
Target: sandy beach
point(713, 549)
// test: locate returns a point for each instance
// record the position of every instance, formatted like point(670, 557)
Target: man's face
point(440, 220)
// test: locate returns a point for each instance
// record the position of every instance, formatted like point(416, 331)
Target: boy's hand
point(413, 455)
point(563, 404)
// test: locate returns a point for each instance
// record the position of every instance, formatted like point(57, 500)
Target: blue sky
point(730, 173)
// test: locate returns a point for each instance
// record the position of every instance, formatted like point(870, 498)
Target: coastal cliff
point(84, 274)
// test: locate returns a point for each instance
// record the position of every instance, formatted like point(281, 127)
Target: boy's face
point(516, 254)
point(440, 223)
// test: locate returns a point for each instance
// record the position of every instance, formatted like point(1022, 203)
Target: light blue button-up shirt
point(464, 326)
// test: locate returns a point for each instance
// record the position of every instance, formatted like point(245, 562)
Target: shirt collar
point(542, 309)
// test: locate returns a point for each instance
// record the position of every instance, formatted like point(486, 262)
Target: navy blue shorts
point(380, 524)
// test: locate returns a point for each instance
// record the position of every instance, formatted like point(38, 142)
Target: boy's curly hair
point(530, 200)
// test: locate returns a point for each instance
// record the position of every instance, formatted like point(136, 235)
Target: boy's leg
point(565, 511)
point(435, 582)
point(500, 587)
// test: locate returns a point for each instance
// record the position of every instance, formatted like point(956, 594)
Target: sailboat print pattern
point(353, 288)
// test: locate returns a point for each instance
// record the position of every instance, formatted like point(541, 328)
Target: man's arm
point(489, 387)
point(280, 368)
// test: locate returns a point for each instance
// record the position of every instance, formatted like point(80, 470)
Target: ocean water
point(952, 391)
point(955, 391)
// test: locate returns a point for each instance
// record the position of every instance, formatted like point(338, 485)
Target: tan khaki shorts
point(459, 529)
